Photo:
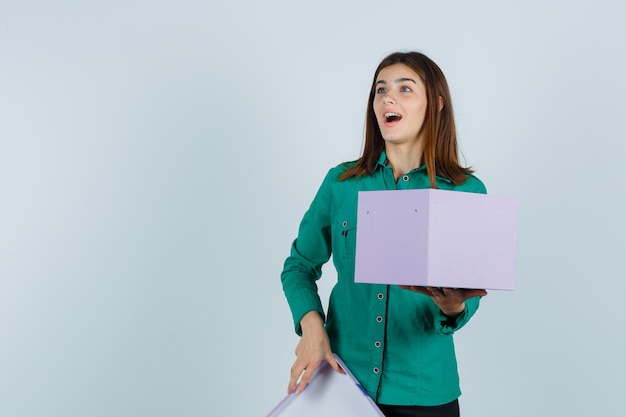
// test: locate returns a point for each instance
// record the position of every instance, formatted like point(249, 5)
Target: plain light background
point(156, 158)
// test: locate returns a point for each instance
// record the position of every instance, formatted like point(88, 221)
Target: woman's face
point(399, 104)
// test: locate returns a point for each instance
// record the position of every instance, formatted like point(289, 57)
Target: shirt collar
point(382, 162)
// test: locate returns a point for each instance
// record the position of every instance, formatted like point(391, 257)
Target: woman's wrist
point(311, 321)
point(453, 312)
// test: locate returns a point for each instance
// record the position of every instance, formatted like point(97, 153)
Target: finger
point(304, 381)
point(334, 364)
point(436, 292)
point(421, 290)
point(474, 293)
point(465, 293)
point(296, 372)
point(292, 382)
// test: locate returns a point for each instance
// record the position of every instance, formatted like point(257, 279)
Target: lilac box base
point(438, 238)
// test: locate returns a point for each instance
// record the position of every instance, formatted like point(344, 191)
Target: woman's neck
point(404, 157)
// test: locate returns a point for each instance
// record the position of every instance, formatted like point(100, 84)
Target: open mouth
point(392, 117)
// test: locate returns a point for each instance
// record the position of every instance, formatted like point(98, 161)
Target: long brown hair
point(440, 144)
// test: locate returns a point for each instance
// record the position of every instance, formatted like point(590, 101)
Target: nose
point(388, 98)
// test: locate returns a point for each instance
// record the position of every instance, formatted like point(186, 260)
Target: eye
point(405, 89)
point(381, 90)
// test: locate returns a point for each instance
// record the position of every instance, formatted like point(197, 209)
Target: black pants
point(446, 410)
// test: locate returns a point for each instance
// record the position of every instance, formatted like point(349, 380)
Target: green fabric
point(400, 333)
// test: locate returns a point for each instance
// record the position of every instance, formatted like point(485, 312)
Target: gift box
point(438, 238)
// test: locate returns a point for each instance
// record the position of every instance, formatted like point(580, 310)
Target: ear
point(440, 103)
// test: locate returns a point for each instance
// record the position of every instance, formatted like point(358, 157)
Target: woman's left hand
point(451, 301)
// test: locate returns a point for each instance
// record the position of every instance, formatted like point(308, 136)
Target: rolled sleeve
point(445, 325)
point(309, 252)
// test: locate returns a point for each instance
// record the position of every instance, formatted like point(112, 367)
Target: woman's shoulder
point(473, 184)
point(470, 184)
point(335, 172)
point(334, 183)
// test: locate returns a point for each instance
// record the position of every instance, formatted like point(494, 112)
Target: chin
point(393, 139)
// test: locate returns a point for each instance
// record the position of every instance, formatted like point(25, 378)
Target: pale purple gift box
point(438, 238)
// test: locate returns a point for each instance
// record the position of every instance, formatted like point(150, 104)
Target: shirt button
point(381, 296)
point(405, 178)
point(377, 344)
point(379, 319)
point(376, 370)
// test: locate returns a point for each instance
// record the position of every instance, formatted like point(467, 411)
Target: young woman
point(397, 341)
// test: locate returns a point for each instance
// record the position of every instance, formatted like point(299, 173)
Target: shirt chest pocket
point(344, 235)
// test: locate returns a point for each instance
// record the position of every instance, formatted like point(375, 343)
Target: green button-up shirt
point(397, 343)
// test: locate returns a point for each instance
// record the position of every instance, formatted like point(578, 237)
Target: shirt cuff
point(448, 325)
point(302, 305)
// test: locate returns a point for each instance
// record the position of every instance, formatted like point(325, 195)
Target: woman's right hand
point(313, 348)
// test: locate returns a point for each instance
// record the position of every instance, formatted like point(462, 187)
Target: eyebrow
point(399, 80)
